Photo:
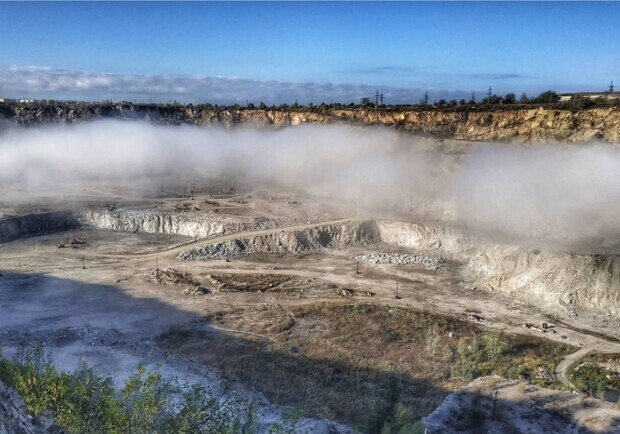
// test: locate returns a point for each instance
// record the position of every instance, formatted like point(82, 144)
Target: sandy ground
point(97, 301)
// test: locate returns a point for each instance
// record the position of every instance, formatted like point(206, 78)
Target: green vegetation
point(83, 402)
point(597, 375)
point(174, 110)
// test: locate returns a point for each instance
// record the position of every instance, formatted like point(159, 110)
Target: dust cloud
point(544, 192)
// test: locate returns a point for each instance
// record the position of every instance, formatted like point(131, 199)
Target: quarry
point(360, 270)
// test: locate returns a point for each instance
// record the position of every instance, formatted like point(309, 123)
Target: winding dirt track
point(561, 369)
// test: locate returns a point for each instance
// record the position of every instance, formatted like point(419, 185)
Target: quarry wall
point(12, 228)
point(520, 124)
point(556, 282)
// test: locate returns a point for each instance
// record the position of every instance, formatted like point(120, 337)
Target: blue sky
point(282, 52)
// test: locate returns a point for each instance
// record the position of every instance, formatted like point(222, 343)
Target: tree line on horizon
point(548, 99)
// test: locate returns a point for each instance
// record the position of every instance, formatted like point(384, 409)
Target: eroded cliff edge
point(522, 124)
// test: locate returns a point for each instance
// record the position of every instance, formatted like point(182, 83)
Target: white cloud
point(45, 82)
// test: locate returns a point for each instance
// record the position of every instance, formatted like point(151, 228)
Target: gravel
point(429, 262)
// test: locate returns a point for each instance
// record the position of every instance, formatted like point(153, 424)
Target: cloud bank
point(564, 194)
point(41, 82)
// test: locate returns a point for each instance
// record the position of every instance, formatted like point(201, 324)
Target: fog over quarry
point(548, 193)
point(244, 255)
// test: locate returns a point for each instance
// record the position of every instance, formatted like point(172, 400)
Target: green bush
point(83, 402)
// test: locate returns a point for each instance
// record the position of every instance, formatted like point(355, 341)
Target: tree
point(581, 102)
point(548, 97)
point(262, 106)
point(510, 98)
point(524, 99)
point(365, 102)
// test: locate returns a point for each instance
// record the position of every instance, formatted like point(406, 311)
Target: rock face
point(497, 405)
point(164, 222)
point(15, 420)
point(15, 227)
point(298, 241)
point(556, 282)
point(525, 124)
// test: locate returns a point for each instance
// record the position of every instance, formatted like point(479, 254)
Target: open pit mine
point(319, 278)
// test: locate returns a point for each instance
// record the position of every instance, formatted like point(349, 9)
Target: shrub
point(83, 402)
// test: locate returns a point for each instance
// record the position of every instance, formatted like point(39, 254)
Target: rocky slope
point(496, 405)
point(555, 282)
point(298, 241)
point(15, 419)
point(526, 124)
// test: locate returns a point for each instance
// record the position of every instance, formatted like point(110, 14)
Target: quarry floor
point(100, 302)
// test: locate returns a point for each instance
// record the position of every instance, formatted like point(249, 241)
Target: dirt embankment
point(520, 124)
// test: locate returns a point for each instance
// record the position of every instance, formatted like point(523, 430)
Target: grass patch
point(598, 375)
point(363, 364)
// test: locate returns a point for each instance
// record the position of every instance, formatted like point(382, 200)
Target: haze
point(549, 193)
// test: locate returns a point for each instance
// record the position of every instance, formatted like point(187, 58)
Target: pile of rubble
point(213, 251)
point(429, 262)
point(172, 277)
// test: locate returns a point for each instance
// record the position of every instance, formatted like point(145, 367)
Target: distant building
point(591, 95)
point(25, 101)
point(1, 100)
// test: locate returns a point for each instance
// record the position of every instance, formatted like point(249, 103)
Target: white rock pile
point(214, 251)
point(429, 262)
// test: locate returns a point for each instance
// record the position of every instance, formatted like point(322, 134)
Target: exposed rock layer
point(298, 241)
point(556, 282)
point(170, 223)
point(522, 124)
point(12, 228)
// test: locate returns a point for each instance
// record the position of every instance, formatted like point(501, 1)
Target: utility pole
point(426, 98)
point(397, 296)
point(490, 92)
point(377, 98)
point(357, 269)
point(473, 96)
point(611, 87)
point(494, 405)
